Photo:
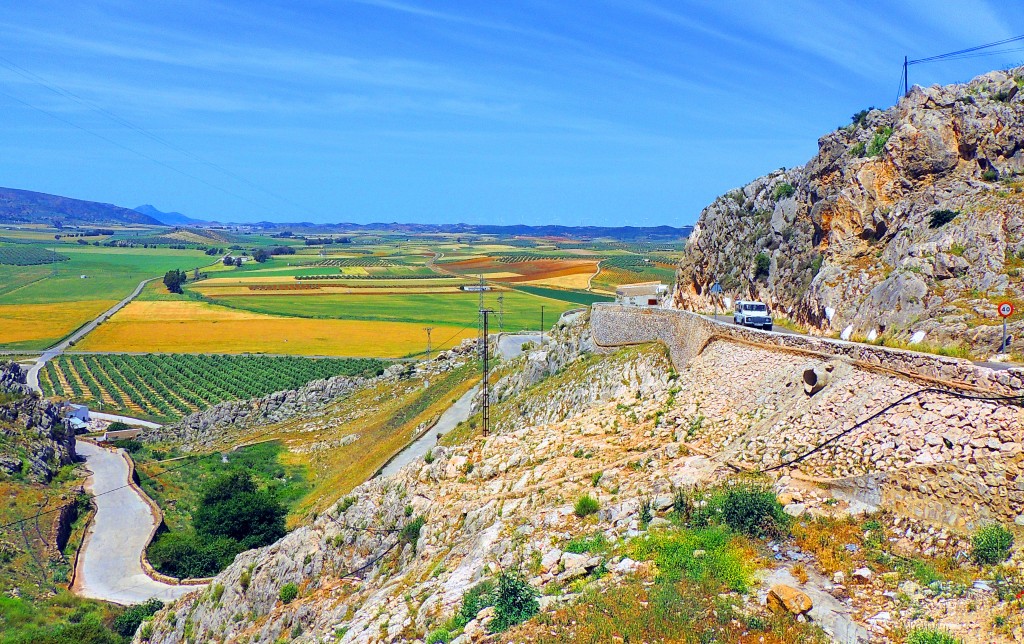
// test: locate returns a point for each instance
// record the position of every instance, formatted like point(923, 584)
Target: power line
point(129, 149)
point(1017, 400)
point(63, 91)
point(960, 54)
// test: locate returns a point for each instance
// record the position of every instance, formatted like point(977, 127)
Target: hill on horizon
point(25, 206)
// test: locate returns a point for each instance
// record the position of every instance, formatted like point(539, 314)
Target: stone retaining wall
point(939, 459)
point(686, 334)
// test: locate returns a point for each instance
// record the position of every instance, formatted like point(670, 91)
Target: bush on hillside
point(288, 593)
point(753, 510)
point(515, 601)
point(783, 190)
point(991, 544)
point(939, 218)
point(586, 505)
point(128, 622)
point(931, 636)
point(878, 142)
point(762, 265)
point(231, 506)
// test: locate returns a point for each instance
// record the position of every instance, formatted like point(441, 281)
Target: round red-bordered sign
point(1005, 309)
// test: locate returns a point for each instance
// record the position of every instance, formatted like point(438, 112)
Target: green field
point(110, 273)
point(521, 310)
point(168, 386)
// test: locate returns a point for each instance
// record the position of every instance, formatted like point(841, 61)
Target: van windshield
point(758, 308)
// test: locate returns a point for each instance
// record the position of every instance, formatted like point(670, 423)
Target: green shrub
point(475, 600)
point(939, 218)
point(676, 553)
point(860, 118)
point(586, 505)
point(783, 190)
point(858, 149)
point(990, 175)
point(244, 579)
point(129, 445)
point(440, 636)
point(288, 593)
point(878, 142)
point(645, 512)
point(428, 458)
point(596, 542)
point(128, 622)
point(762, 265)
point(411, 531)
point(931, 636)
point(345, 504)
point(753, 510)
point(515, 601)
point(991, 544)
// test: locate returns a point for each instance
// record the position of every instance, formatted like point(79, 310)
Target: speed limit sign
point(1006, 309)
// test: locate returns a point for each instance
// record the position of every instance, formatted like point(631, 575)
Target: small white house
point(80, 412)
point(475, 288)
point(645, 294)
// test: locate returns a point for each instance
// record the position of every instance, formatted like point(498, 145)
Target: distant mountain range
point(27, 207)
point(24, 206)
point(170, 218)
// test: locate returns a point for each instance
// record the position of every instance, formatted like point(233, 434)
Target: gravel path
point(109, 565)
point(511, 345)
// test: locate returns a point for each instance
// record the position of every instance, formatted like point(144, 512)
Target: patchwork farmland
point(172, 385)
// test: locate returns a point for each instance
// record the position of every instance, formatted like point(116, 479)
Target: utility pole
point(501, 313)
point(428, 329)
point(906, 78)
point(485, 393)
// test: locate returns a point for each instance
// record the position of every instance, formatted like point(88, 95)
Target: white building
point(646, 294)
point(81, 412)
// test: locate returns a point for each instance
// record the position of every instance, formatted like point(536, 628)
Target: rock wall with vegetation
point(908, 219)
point(34, 439)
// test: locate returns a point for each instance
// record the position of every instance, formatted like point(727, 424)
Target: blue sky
point(599, 113)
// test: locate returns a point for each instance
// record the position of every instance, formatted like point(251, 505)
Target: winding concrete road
point(457, 413)
point(109, 565)
point(32, 378)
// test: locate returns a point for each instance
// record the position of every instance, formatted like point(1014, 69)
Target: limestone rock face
point(851, 236)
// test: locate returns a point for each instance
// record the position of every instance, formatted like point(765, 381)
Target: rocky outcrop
point(858, 237)
point(34, 439)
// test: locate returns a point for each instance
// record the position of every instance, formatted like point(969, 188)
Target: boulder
point(784, 599)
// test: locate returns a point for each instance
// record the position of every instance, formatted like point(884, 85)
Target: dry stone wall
point(686, 334)
point(937, 457)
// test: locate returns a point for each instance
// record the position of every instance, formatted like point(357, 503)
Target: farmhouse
point(643, 294)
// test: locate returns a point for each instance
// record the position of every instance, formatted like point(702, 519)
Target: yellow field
point(577, 281)
point(497, 275)
point(29, 322)
point(353, 270)
point(198, 327)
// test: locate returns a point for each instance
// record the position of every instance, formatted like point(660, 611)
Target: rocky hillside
point(401, 558)
point(908, 219)
point(34, 440)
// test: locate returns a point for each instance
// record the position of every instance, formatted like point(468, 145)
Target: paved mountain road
point(109, 565)
point(451, 417)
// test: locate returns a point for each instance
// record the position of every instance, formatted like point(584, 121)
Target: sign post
point(1005, 311)
point(716, 290)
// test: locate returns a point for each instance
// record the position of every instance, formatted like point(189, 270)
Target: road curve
point(127, 420)
point(109, 565)
point(32, 379)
